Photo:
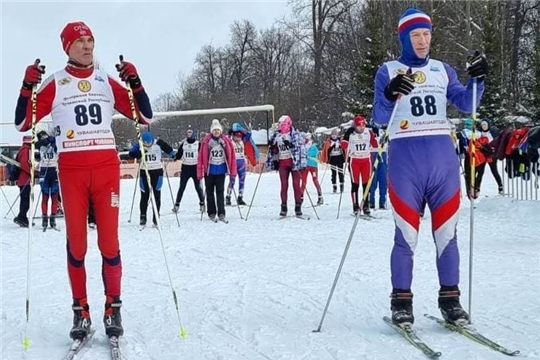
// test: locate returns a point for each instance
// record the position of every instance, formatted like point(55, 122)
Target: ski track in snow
point(255, 290)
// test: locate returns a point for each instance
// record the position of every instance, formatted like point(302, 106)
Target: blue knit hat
point(411, 19)
point(147, 138)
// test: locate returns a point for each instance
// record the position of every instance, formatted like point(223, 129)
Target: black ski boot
point(320, 201)
point(402, 309)
point(112, 318)
point(450, 307)
point(142, 221)
point(283, 211)
point(201, 206)
point(371, 205)
point(21, 222)
point(240, 200)
point(81, 319)
point(52, 221)
point(334, 188)
point(298, 209)
point(44, 222)
point(355, 209)
point(501, 190)
point(382, 206)
point(227, 201)
point(365, 208)
point(341, 187)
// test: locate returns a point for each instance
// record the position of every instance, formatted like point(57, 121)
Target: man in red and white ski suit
point(81, 100)
point(357, 143)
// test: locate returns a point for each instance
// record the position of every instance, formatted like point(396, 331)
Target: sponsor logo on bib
point(70, 134)
point(64, 81)
point(419, 77)
point(84, 86)
point(404, 124)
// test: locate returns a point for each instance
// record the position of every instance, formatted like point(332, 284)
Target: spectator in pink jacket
point(216, 160)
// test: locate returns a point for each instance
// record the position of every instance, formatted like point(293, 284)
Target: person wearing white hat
point(216, 160)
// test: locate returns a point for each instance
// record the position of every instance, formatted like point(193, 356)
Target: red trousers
point(360, 170)
point(303, 183)
point(100, 184)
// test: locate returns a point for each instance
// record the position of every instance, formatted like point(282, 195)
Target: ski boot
point(44, 222)
point(175, 208)
point(382, 206)
point(201, 206)
point(81, 319)
point(154, 221)
point(450, 307)
point(501, 190)
point(402, 309)
point(228, 201)
point(334, 188)
point(341, 187)
point(52, 221)
point(240, 200)
point(142, 221)
point(365, 208)
point(355, 209)
point(21, 222)
point(320, 201)
point(371, 205)
point(112, 318)
point(283, 211)
point(298, 209)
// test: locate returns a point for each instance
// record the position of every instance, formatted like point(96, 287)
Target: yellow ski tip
point(26, 343)
point(183, 332)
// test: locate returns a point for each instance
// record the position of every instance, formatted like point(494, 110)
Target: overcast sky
point(161, 39)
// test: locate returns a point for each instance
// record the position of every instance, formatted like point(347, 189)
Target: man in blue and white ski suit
point(422, 161)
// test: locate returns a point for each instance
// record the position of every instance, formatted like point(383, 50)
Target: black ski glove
point(402, 84)
point(477, 66)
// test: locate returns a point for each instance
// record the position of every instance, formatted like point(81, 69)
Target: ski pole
point(353, 229)
point(236, 198)
point(341, 193)
point(135, 117)
point(256, 187)
point(472, 190)
point(14, 202)
point(170, 191)
point(33, 99)
point(134, 191)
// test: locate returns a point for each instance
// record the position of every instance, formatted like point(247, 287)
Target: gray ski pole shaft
point(340, 195)
point(238, 206)
point(7, 201)
point(473, 179)
point(13, 203)
point(311, 202)
point(338, 273)
point(170, 191)
point(256, 187)
point(134, 192)
point(135, 117)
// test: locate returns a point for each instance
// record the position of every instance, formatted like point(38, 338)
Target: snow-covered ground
point(256, 289)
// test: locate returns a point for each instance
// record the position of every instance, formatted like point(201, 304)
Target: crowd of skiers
point(410, 99)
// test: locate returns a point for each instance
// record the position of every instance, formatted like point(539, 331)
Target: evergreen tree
point(491, 106)
point(374, 56)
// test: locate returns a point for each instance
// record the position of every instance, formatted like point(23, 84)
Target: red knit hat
point(27, 139)
point(72, 32)
point(359, 120)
